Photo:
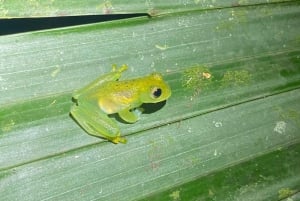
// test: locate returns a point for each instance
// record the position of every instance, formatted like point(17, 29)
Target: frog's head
point(155, 89)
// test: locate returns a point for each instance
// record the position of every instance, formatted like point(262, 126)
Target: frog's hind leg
point(97, 123)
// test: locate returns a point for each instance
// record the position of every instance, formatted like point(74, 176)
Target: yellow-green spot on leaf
point(197, 1)
point(211, 193)
point(55, 71)
point(154, 154)
point(236, 78)
point(106, 7)
point(7, 125)
point(288, 114)
point(226, 25)
point(53, 102)
point(3, 11)
point(241, 16)
point(5, 174)
point(285, 192)
point(34, 8)
point(190, 161)
point(161, 47)
point(265, 12)
point(297, 39)
point(293, 116)
point(196, 78)
point(234, 16)
point(175, 195)
point(243, 2)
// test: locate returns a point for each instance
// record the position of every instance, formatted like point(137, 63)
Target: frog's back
point(115, 96)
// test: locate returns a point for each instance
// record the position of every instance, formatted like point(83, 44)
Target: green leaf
point(46, 8)
point(235, 77)
point(257, 179)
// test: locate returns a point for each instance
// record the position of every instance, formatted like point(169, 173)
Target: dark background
point(18, 25)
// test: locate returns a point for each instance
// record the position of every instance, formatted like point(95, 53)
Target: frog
point(107, 95)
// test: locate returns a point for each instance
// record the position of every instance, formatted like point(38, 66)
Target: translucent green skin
point(106, 95)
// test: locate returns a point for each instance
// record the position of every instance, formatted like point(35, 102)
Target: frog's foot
point(131, 116)
point(118, 139)
point(123, 68)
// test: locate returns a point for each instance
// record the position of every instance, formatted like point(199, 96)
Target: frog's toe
point(123, 68)
point(119, 139)
point(138, 112)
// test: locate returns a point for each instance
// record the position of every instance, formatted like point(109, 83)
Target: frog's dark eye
point(156, 92)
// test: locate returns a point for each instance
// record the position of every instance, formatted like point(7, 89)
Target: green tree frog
point(107, 95)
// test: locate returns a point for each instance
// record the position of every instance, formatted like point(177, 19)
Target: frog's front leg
point(131, 116)
point(96, 123)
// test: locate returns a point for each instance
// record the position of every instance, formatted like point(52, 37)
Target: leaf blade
point(257, 83)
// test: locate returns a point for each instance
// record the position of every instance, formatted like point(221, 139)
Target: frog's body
point(107, 95)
